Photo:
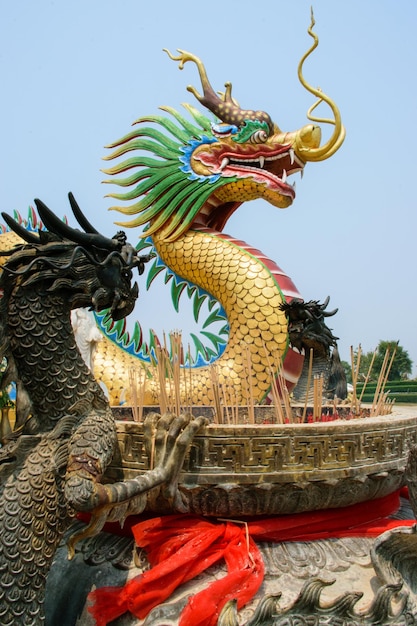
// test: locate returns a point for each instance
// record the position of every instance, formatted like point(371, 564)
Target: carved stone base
point(267, 469)
point(348, 582)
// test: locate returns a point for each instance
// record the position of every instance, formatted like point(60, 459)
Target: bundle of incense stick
point(175, 370)
point(137, 385)
point(226, 401)
point(310, 370)
point(277, 403)
point(215, 386)
point(161, 368)
point(134, 395)
point(283, 388)
point(249, 387)
point(189, 380)
point(280, 394)
point(355, 373)
point(367, 376)
point(174, 381)
point(384, 405)
point(317, 397)
point(380, 405)
point(231, 403)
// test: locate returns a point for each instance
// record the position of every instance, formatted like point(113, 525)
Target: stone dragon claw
point(167, 441)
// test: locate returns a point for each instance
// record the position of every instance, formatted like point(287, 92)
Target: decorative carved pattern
point(308, 609)
point(306, 560)
point(252, 470)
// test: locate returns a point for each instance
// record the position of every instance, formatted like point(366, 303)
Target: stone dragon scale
point(185, 193)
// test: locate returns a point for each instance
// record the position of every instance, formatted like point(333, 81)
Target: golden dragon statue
point(184, 193)
point(186, 178)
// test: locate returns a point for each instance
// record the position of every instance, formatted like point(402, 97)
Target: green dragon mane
point(170, 193)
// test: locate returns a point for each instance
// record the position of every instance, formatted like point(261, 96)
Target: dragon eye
point(259, 136)
point(252, 131)
point(127, 275)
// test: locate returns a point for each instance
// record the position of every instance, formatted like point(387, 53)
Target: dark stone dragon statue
point(307, 332)
point(52, 465)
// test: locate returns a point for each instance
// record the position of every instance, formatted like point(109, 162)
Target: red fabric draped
point(179, 547)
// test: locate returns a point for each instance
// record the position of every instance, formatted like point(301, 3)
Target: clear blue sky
point(75, 74)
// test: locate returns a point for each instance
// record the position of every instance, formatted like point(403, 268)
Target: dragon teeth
point(262, 161)
point(224, 163)
point(284, 176)
point(292, 156)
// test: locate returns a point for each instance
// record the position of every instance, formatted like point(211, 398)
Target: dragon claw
point(173, 436)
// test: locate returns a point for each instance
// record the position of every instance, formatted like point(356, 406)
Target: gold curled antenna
point(339, 132)
point(224, 107)
point(185, 56)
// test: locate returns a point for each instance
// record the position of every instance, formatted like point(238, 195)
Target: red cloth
point(180, 547)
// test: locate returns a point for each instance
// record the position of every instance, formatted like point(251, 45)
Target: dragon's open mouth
point(268, 167)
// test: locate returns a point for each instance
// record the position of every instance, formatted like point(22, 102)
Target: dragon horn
point(79, 215)
point(339, 132)
point(225, 108)
point(20, 230)
point(323, 306)
point(55, 225)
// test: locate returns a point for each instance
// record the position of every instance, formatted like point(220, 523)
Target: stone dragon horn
point(79, 216)
point(54, 224)
point(89, 238)
point(20, 230)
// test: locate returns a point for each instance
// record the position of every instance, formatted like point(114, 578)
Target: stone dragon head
point(90, 269)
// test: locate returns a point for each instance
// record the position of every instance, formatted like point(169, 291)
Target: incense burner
point(264, 469)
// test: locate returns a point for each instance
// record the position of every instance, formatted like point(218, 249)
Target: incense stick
point(133, 394)
point(226, 408)
point(214, 378)
point(379, 383)
point(379, 396)
point(161, 372)
point(279, 415)
point(310, 370)
point(315, 400)
point(274, 388)
point(190, 377)
point(367, 376)
point(355, 372)
point(283, 388)
point(176, 350)
point(251, 409)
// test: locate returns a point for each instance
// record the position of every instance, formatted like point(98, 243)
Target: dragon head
point(89, 269)
point(204, 172)
point(306, 326)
